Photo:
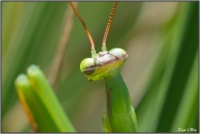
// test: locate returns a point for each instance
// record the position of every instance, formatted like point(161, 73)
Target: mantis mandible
point(120, 115)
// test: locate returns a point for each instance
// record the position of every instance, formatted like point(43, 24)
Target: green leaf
point(38, 98)
point(172, 76)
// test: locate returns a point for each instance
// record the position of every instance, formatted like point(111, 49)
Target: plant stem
point(59, 56)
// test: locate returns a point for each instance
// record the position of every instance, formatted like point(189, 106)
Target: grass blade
point(40, 99)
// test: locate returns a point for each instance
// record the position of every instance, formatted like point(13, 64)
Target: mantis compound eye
point(119, 53)
point(88, 66)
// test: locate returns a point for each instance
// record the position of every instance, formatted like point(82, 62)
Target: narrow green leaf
point(168, 82)
point(181, 70)
point(45, 109)
point(189, 103)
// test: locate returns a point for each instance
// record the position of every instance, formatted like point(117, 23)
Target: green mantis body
point(120, 115)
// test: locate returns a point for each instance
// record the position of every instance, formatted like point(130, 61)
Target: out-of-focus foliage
point(40, 103)
point(161, 72)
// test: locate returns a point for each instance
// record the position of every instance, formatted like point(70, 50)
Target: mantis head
point(100, 64)
point(97, 68)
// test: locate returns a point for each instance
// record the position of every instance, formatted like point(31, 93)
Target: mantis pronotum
point(120, 115)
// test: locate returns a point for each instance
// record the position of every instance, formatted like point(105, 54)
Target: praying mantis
point(120, 115)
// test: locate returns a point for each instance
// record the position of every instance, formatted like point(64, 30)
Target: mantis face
point(97, 68)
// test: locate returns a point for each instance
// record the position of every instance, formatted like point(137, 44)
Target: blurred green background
point(161, 72)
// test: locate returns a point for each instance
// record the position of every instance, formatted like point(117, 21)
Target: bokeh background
point(161, 72)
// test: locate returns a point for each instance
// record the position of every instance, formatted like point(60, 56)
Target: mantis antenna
point(108, 26)
point(85, 27)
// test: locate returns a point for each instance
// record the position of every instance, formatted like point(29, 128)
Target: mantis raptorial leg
point(120, 115)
